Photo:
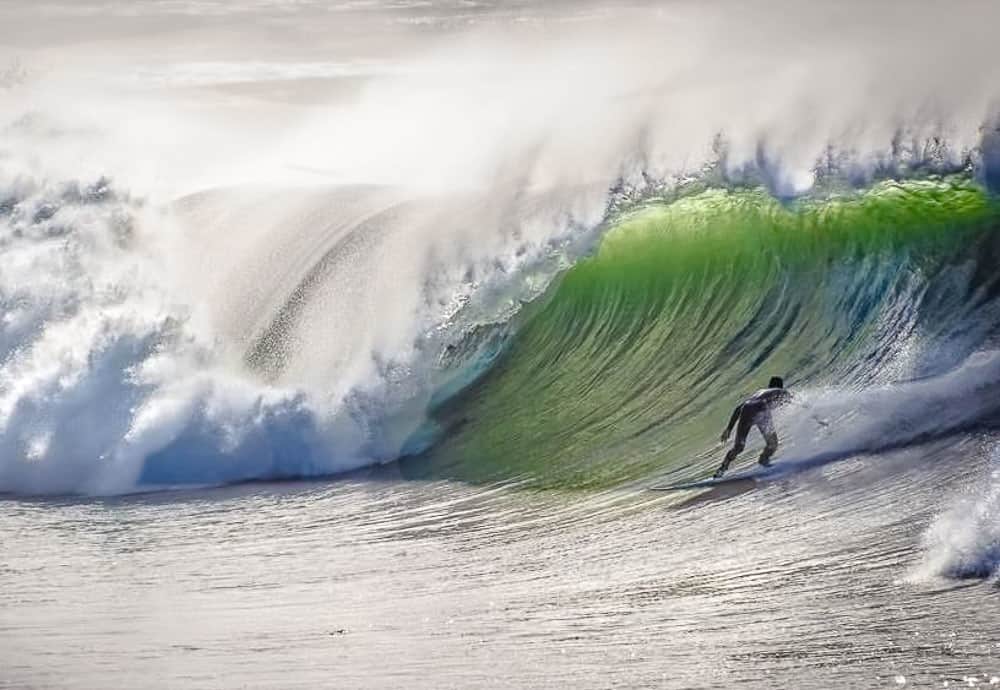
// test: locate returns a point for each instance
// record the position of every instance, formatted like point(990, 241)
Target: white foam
point(832, 424)
point(104, 377)
point(964, 540)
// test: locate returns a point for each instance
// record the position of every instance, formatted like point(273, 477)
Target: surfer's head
point(776, 382)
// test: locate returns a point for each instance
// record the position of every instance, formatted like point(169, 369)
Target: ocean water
point(382, 582)
point(341, 344)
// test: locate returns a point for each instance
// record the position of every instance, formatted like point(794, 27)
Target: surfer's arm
point(732, 422)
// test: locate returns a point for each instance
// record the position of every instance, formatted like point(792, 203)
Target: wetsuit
point(755, 411)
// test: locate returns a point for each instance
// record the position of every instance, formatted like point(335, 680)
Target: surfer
point(755, 411)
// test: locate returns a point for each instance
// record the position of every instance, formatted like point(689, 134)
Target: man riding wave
point(755, 411)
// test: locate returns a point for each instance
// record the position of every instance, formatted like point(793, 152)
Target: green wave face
point(635, 359)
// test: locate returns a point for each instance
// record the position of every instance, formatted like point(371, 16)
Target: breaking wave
point(107, 382)
point(880, 307)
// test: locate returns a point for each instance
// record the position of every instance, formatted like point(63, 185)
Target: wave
point(881, 307)
point(112, 381)
point(624, 367)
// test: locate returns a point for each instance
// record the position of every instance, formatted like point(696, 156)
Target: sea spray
point(105, 380)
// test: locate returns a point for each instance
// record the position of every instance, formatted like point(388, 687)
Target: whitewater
point(341, 342)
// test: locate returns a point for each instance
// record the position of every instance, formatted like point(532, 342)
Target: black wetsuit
point(755, 411)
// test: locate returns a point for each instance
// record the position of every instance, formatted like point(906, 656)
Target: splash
point(964, 540)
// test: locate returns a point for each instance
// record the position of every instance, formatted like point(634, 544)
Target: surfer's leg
point(766, 426)
point(739, 443)
point(770, 449)
point(730, 456)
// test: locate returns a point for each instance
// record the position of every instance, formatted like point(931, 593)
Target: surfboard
point(737, 478)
